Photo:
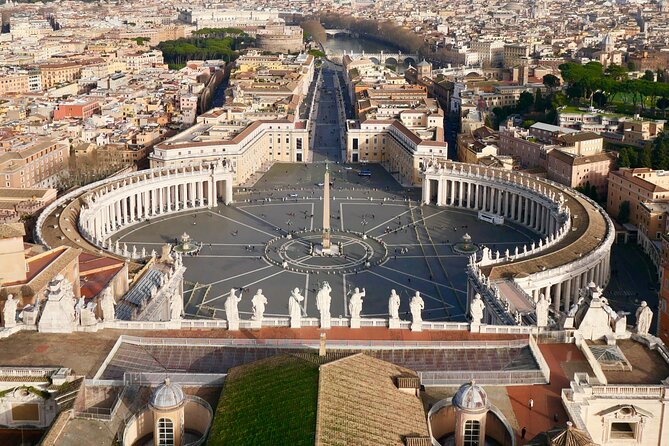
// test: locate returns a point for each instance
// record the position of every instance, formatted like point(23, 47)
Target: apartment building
point(35, 163)
point(59, 73)
point(80, 109)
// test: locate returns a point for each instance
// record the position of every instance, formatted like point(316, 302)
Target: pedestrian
point(530, 403)
point(523, 431)
point(555, 417)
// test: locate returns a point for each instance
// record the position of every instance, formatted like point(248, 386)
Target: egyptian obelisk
point(326, 209)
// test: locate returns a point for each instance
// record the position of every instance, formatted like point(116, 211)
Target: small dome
point(167, 395)
point(471, 397)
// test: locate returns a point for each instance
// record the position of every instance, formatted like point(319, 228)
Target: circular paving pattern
point(298, 252)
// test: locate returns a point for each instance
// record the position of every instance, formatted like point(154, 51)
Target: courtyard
point(372, 211)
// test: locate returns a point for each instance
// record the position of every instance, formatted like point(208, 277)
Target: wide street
point(327, 122)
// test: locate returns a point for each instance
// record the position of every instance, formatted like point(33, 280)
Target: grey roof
point(138, 295)
point(552, 128)
point(471, 397)
point(167, 395)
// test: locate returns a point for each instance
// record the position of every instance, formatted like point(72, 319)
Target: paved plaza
point(418, 239)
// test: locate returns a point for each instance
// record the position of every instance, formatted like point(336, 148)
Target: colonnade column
point(461, 189)
point(228, 191)
point(476, 196)
point(199, 193)
point(558, 296)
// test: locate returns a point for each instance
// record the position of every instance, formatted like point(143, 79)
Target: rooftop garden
point(272, 401)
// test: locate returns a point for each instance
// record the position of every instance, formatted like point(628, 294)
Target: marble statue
point(176, 306)
point(78, 308)
point(107, 305)
point(394, 305)
point(476, 309)
point(416, 306)
point(644, 316)
point(58, 314)
point(9, 312)
point(295, 309)
point(323, 300)
point(258, 302)
point(355, 304)
point(541, 309)
point(231, 310)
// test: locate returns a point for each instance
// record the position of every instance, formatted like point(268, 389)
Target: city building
point(645, 193)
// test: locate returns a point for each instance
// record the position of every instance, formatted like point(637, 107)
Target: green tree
point(617, 72)
point(660, 152)
point(551, 82)
point(624, 212)
point(645, 157)
point(648, 75)
point(525, 102)
point(623, 158)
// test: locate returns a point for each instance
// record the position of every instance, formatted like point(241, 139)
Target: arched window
point(472, 433)
point(165, 432)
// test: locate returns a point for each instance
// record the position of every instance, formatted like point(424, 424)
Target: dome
point(167, 395)
point(471, 397)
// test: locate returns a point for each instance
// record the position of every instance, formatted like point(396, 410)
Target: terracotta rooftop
point(359, 404)
point(12, 230)
point(648, 366)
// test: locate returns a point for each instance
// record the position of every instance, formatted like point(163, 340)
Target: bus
point(491, 218)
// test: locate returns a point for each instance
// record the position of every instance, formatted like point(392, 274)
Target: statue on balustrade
point(541, 308)
point(476, 309)
point(295, 308)
point(644, 316)
point(107, 304)
point(231, 310)
point(9, 312)
point(416, 306)
point(394, 305)
point(258, 301)
point(355, 304)
point(176, 306)
point(323, 300)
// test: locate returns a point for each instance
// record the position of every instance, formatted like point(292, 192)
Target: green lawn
point(268, 402)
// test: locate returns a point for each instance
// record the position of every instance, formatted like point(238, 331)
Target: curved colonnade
point(574, 250)
point(576, 234)
point(101, 209)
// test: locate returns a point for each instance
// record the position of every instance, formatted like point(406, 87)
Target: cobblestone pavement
point(289, 198)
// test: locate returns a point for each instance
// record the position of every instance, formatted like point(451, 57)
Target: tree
point(660, 152)
point(646, 157)
point(648, 75)
point(662, 104)
point(551, 82)
point(525, 102)
point(624, 212)
point(616, 72)
point(623, 158)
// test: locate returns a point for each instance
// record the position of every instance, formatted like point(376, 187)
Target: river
point(348, 43)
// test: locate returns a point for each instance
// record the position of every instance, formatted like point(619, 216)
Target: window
point(622, 431)
point(165, 432)
point(472, 433)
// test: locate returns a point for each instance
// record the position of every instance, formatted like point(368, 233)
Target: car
point(293, 195)
point(320, 184)
point(348, 168)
